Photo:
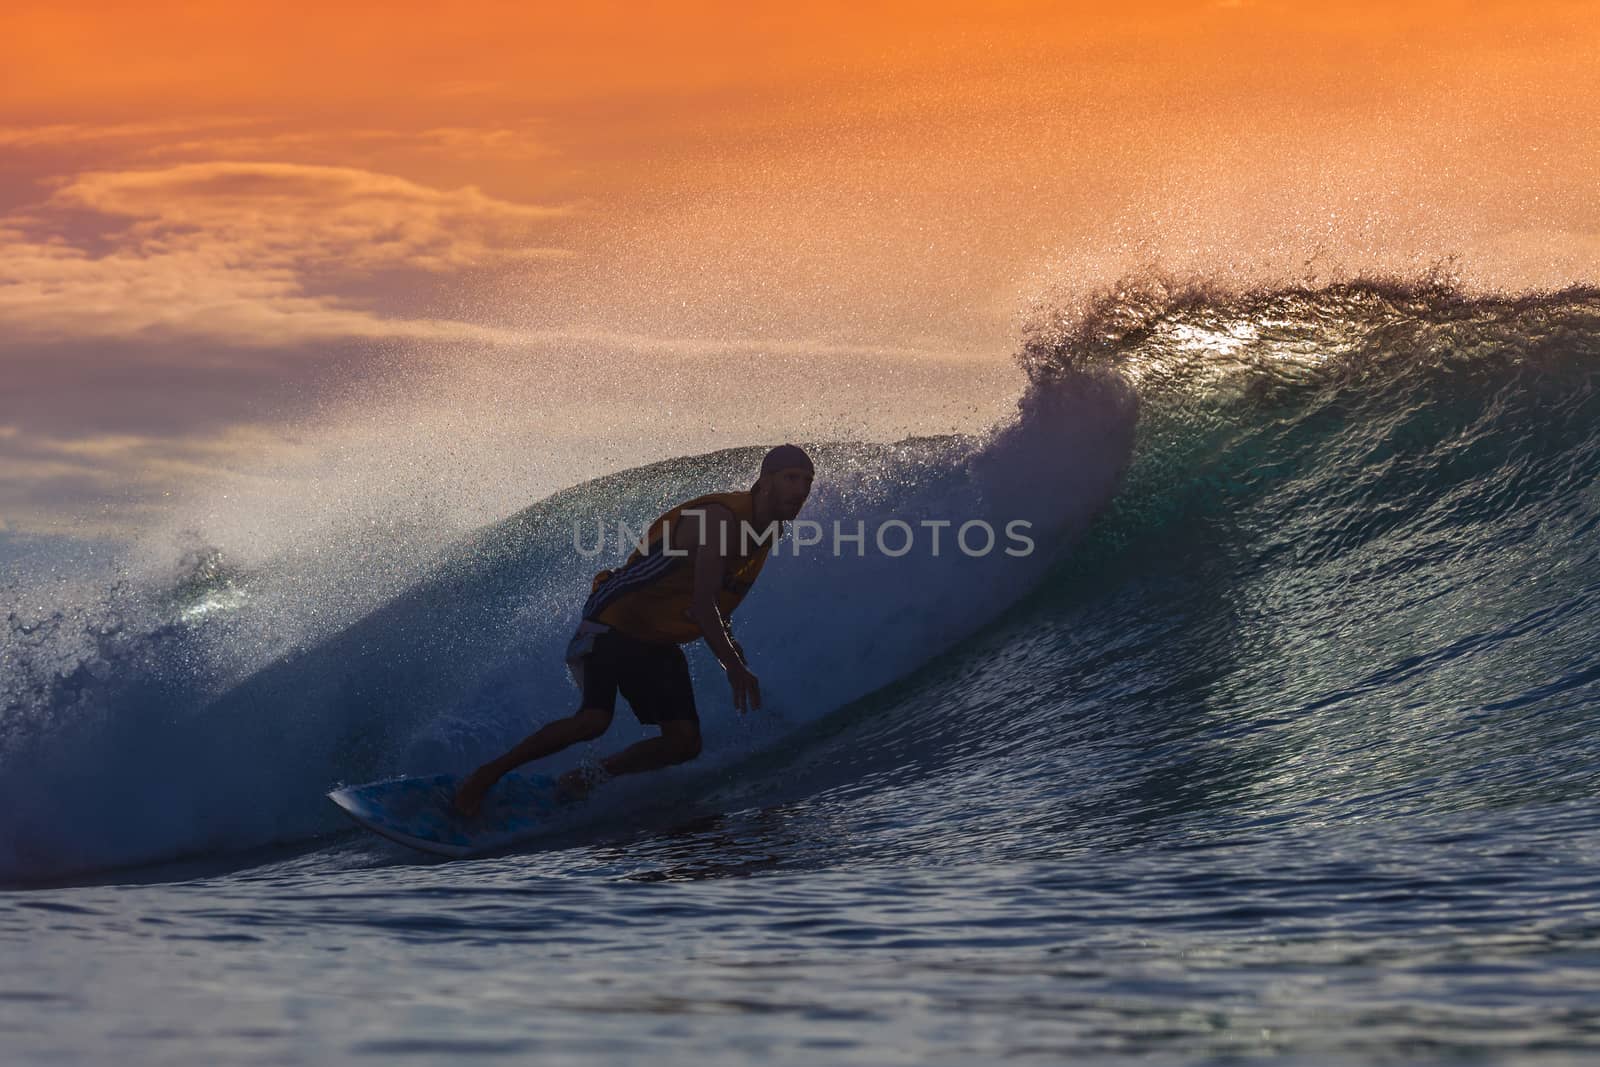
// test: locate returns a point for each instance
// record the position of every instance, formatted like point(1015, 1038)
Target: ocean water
point(1283, 744)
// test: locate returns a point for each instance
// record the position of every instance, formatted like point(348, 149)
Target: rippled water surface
point(730, 938)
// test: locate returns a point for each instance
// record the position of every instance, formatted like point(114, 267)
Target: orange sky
point(209, 212)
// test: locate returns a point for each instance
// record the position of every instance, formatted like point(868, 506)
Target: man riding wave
point(698, 562)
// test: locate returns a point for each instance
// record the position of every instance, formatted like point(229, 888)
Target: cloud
point(246, 139)
point(51, 291)
point(224, 250)
point(458, 143)
point(77, 133)
point(294, 212)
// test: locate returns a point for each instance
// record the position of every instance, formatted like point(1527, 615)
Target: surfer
point(696, 565)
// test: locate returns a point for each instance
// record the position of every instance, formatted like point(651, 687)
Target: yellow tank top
point(649, 596)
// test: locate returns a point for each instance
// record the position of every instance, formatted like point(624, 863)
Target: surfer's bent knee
point(592, 722)
point(685, 740)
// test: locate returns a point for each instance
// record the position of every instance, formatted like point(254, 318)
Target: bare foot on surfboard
point(468, 800)
point(578, 783)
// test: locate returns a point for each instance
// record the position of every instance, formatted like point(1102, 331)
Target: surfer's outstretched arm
point(710, 560)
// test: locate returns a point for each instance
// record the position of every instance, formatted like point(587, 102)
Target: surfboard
point(417, 812)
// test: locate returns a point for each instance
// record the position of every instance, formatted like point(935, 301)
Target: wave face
point(1350, 576)
point(1302, 555)
point(208, 713)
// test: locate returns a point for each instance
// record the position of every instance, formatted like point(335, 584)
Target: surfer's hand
point(746, 687)
point(470, 793)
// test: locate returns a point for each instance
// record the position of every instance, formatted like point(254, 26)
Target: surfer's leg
point(585, 724)
point(658, 688)
point(593, 717)
point(679, 742)
point(654, 679)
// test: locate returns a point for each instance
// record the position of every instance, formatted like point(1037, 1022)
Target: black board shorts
point(651, 676)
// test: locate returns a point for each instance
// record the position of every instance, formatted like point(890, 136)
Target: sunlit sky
point(621, 231)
